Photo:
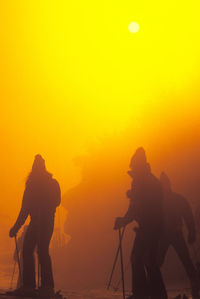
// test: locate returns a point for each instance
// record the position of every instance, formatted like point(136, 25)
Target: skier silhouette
point(40, 199)
point(176, 211)
point(146, 208)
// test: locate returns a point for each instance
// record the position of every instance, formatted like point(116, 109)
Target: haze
point(81, 90)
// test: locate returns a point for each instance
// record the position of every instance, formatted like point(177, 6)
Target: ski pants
point(40, 237)
point(176, 239)
point(147, 280)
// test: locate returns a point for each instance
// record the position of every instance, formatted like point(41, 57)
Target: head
point(38, 169)
point(38, 164)
point(138, 164)
point(165, 182)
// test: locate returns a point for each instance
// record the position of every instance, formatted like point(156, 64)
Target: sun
point(133, 27)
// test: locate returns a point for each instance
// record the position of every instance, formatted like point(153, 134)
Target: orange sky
point(71, 75)
point(75, 86)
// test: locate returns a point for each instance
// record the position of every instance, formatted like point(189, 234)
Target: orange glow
point(73, 80)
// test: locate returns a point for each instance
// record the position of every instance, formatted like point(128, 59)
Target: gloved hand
point(119, 222)
point(13, 232)
point(191, 237)
point(129, 193)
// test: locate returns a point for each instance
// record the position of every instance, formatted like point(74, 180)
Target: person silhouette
point(176, 211)
point(146, 209)
point(40, 199)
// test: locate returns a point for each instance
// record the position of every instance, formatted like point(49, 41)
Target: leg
point(182, 251)
point(156, 285)
point(139, 282)
point(28, 258)
point(163, 247)
point(44, 239)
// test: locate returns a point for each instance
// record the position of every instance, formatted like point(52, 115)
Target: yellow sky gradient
point(71, 74)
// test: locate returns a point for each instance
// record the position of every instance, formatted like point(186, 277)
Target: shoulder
point(154, 181)
point(178, 196)
point(55, 183)
point(28, 187)
point(180, 199)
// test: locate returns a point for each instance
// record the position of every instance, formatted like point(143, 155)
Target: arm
point(189, 221)
point(130, 214)
point(56, 194)
point(128, 217)
point(23, 214)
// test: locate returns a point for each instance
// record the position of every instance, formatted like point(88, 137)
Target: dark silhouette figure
point(40, 199)
point(176, 211)
point(146, 208)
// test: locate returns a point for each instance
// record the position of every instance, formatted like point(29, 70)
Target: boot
point(195, 289)
point(193, 297)
point(23, 292)
point(137, 297)
point(46, 292)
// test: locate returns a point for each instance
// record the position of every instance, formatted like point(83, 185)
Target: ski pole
point(122, 263)
point(115, 261)
point(13, 273)
point(18, 260)
point(38, 274)
point(119, 281)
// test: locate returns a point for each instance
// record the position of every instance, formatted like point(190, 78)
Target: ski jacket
point(40, 199)
point(176, 211)
point(146, 204)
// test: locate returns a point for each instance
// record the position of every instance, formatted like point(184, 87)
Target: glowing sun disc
point(133, 27)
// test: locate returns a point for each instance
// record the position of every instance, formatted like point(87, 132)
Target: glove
point(129, 193)
point(119, 222)
point(191, 238)
point(13, 232)
point(130, 172)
